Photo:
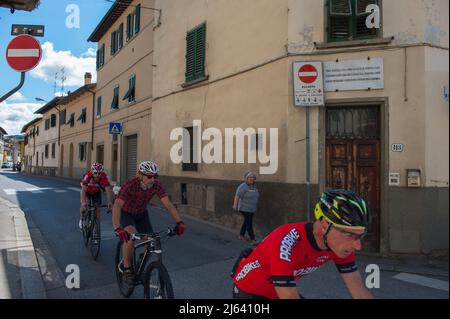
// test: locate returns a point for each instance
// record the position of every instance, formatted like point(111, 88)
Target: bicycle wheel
point(157, 283)
point(125, 290)
point(85, 230)
point(95, 239)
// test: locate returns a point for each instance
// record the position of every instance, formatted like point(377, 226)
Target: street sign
point(308, 83)
point(30, 29)
point(115, 128)
point(23, 53)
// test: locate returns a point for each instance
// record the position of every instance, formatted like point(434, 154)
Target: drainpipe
point(87, 81)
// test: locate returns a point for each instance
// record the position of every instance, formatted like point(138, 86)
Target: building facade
point(223, 73)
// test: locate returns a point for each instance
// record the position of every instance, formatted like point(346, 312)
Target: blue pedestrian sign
point(115, 128)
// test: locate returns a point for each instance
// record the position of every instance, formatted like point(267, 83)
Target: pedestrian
point(246, 202)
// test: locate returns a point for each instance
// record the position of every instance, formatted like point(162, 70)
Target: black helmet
point(343, 208)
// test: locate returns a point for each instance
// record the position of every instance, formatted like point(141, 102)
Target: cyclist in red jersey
point(91, 185)
point(295, 250)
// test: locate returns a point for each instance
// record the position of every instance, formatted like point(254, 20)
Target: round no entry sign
point(308, 74)
point(23, 53)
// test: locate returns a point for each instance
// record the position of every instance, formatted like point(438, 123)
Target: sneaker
point(128, 276)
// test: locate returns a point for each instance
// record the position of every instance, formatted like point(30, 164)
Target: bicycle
point(155, 278)
point(91, 229)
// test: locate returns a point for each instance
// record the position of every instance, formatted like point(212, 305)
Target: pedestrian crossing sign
point(115, 128)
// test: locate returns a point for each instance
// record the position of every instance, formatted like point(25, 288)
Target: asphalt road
point(198, 262)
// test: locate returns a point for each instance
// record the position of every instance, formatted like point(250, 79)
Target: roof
point(48, 106)
point(109, 19)
point(25, 127)
point(27, 5)
point(73, 96)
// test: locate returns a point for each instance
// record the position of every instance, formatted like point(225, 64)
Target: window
point(71, 120)
point(120, 37)
point(53, 120)
point(102, 55)
point(62, 117)
point(137, 19)
point(47, 124)
point(129, 27)
point(53, 150)
point(37, 131)
point(347, 20)
point(82, 151)
point(46, 151)
point(131, 89)
point(99, 106)
point(115, 99)
point(113, 42)
point(82, 116)
point(190, 166)
point(195, 53)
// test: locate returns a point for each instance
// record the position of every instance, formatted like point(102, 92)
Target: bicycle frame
point(153, 247)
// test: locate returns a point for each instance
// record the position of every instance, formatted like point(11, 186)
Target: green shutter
point(128, 27)
point(195, 53)
point(120, 37)
point(361, 30)
point(113, 40)
point(339, 20)
point(137, 17)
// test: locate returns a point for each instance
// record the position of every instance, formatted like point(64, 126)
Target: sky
point(64, 45)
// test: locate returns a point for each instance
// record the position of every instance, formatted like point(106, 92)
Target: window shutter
point(200, 52)
point(361, 29)
point(120, 37)
point(113, 42)
point(97, 62)
point(128, 27)
point(137, 19)
point(340, 17)
point(190, 56)
point(102, 61)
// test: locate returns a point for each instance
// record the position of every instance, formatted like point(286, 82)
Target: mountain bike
point(155, 277)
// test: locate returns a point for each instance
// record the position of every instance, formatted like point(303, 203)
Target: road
point(198, 262)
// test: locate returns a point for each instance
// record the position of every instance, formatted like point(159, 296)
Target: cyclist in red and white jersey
point(295, 250)
point(92, 184)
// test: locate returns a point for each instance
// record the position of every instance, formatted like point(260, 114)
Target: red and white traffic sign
point(23, 53)
point(308, 74)
point(308, 83)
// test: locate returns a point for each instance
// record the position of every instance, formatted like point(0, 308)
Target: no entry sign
point(23, 53)
point(308, 83)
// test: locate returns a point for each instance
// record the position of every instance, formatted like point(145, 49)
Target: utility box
point(413, 177)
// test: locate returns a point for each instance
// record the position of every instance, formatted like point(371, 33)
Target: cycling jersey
point(136, 199)
point(95, 187)
point(285, 255)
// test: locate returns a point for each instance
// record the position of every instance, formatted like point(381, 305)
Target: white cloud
point(13, 116)
point(74, 67)
point(17, 97)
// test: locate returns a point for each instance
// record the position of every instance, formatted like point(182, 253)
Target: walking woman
point(246, 202)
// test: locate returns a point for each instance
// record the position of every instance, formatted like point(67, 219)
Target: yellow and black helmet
point(343, 208)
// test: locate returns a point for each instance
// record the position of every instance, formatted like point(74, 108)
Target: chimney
point(87, 78)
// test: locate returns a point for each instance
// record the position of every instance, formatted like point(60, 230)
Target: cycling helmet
point(148, 168)
point(97, 168)
point(343, 208)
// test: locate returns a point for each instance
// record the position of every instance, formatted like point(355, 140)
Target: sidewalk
point(20, 277)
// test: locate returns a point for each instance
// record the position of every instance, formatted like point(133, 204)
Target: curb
point(32, 285)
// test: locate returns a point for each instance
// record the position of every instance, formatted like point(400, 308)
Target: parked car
point(7, 165)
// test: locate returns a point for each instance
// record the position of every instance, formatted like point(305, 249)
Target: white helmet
point(148, 168)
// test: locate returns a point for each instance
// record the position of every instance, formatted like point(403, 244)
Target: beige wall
point(47, 137)
point(79, 133)
point(136, 57)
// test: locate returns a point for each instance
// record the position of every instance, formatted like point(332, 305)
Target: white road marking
point(10, 191)
point(423, 281)
point(35, 190)
point(60, 191)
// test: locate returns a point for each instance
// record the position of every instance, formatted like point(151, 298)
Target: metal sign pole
point(308, 169)
point(17, 88)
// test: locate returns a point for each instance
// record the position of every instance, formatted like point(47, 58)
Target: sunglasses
point(351, 235)
point(151, 176)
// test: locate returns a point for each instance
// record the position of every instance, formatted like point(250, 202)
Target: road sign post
point(22, 54)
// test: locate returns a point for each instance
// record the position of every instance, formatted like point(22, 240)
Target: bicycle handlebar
point(139, 236)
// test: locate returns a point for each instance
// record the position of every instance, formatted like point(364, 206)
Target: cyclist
point(295, 250)
point(91, 185)
point(130, 213)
